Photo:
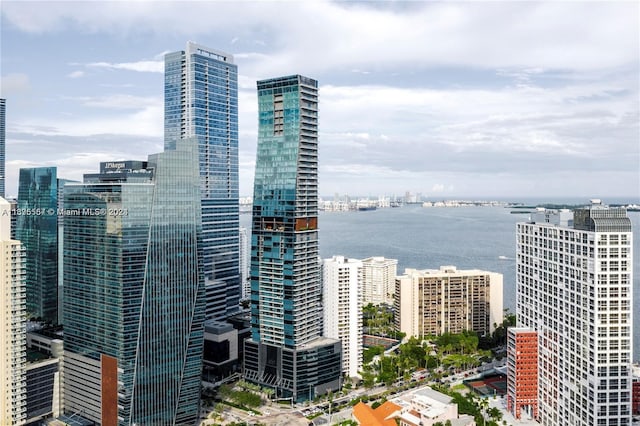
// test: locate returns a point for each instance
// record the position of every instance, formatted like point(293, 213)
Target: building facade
point(3, 170)
point(432, 301)
point(379, 279)
point(13, 407)
point(134, 294)
point(574, 287)
point(37, 230)
point(245, 254)
point(201, 102)
point(522, 372)
point(342, 301)
point(45, 351)
point(287, 351)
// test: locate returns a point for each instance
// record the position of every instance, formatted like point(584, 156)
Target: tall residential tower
point(342, 300)
point(3, 176)
point(201, 102)
point(13, 358)
point(286, 350)
point(574, 287)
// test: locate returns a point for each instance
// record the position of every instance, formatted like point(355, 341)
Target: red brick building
point(635, 398)
point(522, 371)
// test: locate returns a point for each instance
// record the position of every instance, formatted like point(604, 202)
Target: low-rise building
point(384, 415)
point(420, 407)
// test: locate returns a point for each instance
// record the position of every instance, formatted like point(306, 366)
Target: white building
point(425, 407)
point(342, 301)
point(448, 300)
point(13, 330)
point(245, 256)
point(574, 278)
point(379, 275)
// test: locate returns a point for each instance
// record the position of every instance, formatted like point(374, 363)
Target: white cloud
point(14, 83)
point(525, 35)
point(140, 66)
point(145, 122)
point(120, 101)
point(76, 74)
point(435, 95)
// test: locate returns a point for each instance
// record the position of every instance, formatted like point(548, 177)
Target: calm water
point(427, 238)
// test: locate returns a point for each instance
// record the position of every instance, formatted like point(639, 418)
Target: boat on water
point(366, 208)
point(503, 258)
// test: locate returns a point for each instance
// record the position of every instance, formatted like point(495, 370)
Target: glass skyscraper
point(3, 176)
point(286, 350)
point(134, 292)
point(37, 229)
point(201, 101)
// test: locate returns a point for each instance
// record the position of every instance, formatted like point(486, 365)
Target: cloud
point(429, 95)
point(119, 101)
point(76, 74)
point(140, 66)
point(14, 83)
point(143, 122)
point(523, 35)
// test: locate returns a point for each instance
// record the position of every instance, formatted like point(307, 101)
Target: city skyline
point(470, 99)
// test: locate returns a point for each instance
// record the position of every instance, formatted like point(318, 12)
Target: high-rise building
point(201, 102)
point(134, 294)
point(37, 230)
point(574, 287)
point(286, 350)
point(245, 254)
point(342, 301)
point(13, 359)
point(522, 372)
point(448, 300)
point(379, 279)
point(3, 176)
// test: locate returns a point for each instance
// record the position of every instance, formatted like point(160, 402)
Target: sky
point(481, 100)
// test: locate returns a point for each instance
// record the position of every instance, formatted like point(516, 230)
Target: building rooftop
point(381, 416)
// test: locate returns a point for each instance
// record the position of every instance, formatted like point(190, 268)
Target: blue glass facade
point(3, 110)
point(133, 284)
point(201, 101)
point(37, 229)
point(286, 349)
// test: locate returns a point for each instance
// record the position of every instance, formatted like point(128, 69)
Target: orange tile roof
point(367, 416)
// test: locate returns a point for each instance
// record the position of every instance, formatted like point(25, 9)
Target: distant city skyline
point(471, 99)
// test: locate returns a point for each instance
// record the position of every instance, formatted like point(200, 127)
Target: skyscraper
point(286, 350)
point(201, 101)
point(12, 324)
point(3, 176)
point(342, 301)
point(574, 287)
point(134, 294)
point(37, 230)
